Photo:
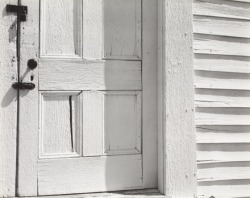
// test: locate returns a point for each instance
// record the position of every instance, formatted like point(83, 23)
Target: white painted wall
point(8, 106)
point(222, 81)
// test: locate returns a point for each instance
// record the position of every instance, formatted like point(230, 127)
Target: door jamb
point(176, 130)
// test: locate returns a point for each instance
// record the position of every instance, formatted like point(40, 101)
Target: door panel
point(115, 118)
point(93, 107)
point(91, 174)
point(61, 28)
point(122, 29)
point(66, 117)
point(60, 124)
point(89, 75)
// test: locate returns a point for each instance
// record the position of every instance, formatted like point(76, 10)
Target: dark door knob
point(32, 63)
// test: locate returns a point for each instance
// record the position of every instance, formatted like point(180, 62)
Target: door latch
point(21, 11)
point(23, 85)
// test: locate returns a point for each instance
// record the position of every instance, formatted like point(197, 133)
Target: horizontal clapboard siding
point(222, 99)
point(222, 189)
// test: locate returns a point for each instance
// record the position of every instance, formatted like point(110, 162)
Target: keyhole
point(32, 77)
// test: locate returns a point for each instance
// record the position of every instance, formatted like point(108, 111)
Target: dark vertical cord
point(18, 52)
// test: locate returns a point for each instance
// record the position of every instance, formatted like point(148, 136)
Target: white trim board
point(177, 147)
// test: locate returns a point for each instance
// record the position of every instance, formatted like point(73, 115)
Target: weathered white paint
point(210, 44)
point(222, 97)
point(222, 80)
point(60, 128)
point(122, 29)
point(8, 101)
point(93, 29)
point(91, 75)
point(214, 153)
point(105, 173)
point(161, 149)
point(222, 8)
point(122, 123)
point(178, 100)
point(208, 62)
point(92, 110)
point(121, 115)
point(104, 132)
point(149, 93)
point(222, 26)
point(223, 134)
point(219, 189)
point(62, 38)
point(187, 185)
point(28, 123)
point(223, 171)
point(154, 193)
point(112, 30)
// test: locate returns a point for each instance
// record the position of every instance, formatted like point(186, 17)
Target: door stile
point(28, 103)
point(149, 92)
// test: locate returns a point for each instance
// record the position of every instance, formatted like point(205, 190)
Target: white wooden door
point(90, 124)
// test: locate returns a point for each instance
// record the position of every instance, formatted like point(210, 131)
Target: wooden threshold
point(117, 194)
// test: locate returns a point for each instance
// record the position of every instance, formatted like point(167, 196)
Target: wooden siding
point(222, 99)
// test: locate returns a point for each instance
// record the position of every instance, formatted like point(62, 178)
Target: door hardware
point(23, 85)
point(32, 63)
point(21, 11)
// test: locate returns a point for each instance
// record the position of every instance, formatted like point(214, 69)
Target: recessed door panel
point(60, 134)
point(61, 28)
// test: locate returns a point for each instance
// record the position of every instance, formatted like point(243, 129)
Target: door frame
point(177, 144)
point(176, 128)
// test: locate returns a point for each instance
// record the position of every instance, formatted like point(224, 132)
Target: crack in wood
point(71, 122)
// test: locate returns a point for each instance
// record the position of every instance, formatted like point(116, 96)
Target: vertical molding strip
point(177, 94)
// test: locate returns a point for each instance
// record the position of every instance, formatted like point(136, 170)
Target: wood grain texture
point(222, 26)
point(223, 171)
point(122, 29)
point(222, 98)
point(178, 100)
point(85, 75)
point(8, 101)
point(220, 63)
point(222, 137)
point(102, 75)
point(60, 128)
point(215, 153)
point(222, 134)
point(61, 28)
point(88, 174)
point(222, 80)
point(28, 123)
point(92, 29)
point(122, 123)
point(222, 116)
point(93, 121)
point(210, 44)
point(154, 193)
point(224, 189)
point(222, 8)
point(112, 123)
